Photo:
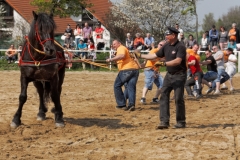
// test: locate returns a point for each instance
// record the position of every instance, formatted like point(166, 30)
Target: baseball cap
point(171, 30)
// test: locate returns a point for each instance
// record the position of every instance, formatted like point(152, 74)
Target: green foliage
point(61, 8)
point(226, 20)
point(208, 21)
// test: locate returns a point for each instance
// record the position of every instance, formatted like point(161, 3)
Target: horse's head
point(43, 32)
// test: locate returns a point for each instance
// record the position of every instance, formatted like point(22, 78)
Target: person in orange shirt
point(127, 76)
point(194, 51)
point(138, 41)
point(11, 54)
point(152, 75)
point(232, 33)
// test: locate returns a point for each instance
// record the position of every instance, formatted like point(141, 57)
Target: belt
point(177, 72)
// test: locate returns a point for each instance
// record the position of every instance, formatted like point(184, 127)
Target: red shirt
point(194, 68)
point(91, 46)
point(99, 30)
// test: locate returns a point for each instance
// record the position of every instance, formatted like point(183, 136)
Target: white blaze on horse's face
point(44, 28)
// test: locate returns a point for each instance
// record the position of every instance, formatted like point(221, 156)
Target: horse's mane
point(44, 23)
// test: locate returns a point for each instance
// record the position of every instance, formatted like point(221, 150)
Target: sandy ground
point(96, 130)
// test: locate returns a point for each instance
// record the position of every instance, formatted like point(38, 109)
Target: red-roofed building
point(22, 11)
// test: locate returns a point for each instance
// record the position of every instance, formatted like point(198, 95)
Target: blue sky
point(217, 7)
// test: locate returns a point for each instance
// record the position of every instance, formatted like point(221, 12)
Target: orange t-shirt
point(231, 31)
point(191, 52)
point(150, 63)
point(11, 51)
point(127, 62)
point(225, 56)
point(136, 40)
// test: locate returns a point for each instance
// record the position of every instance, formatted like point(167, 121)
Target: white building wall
point(21, 27)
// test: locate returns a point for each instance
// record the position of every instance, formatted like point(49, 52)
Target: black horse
point(42, 62)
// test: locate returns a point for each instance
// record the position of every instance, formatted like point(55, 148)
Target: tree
point(2, 11)
point(192, 9)
point(62, 8)
point(122, 26)
point(153, 16)
point(231, 17)
point(208, 21)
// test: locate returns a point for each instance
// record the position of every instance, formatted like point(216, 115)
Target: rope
point(82, 60)
point(37, 50)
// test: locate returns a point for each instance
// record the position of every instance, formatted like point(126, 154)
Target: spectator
point(190, 42)
point(87, 33)
point(232, 44)
point(129, 42)
point(223, 38)
point(92, 53)
point(182, 39)
point(232, 34)
point(207, 35)
point(148, 42)
point(213, 35)
point(138, 41)
point(179, 29)
point(68, 42)
point(77, 34)
point(231, 68)
point(204, 44)
point(99, 31)
point(11, 54)
point(68, 31)
point(83, 54)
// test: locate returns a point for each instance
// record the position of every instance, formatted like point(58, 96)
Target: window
point(8, 8)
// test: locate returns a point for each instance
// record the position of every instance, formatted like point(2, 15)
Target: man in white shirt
point(231, 68)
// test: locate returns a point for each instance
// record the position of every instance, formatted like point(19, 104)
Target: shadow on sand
point(89, 122)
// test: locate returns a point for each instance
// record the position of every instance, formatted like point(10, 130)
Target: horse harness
point(59, 59)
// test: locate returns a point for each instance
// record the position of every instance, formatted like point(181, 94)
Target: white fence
point(111, 52)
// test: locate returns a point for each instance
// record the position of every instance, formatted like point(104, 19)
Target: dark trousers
point(213, 43)
point(173, 82)
point(196, 79)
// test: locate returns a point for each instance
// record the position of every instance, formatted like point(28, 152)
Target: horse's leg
point(55, 95)
point(61, 75)
point(42, 106)
point(22, 99)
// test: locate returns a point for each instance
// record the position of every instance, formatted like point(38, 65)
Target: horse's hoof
point(13, 125)
point(59, 125)
point(40, 118)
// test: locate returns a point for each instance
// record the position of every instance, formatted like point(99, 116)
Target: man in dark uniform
point(175, 56)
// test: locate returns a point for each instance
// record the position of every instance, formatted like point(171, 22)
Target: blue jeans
point(210, 76)
point(128, 78)
point(221, 73)
point(77, 42)
point(151, 77)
